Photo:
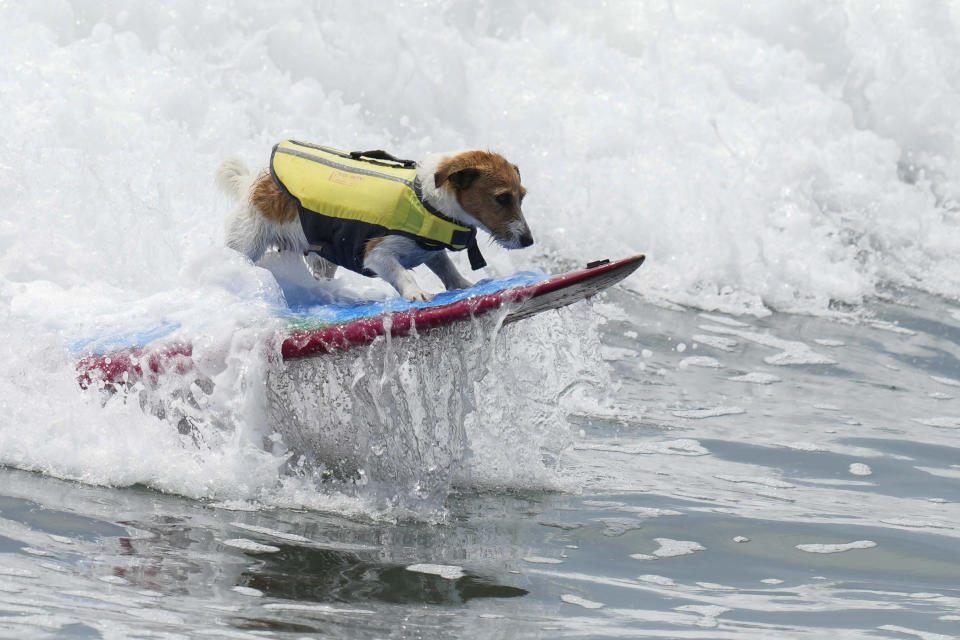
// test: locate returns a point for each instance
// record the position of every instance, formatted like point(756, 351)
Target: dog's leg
point(319, 267)
point(385, 264)
point(246, 232)
point(441, 265)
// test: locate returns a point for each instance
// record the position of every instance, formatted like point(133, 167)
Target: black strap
point(476, 258)
point(380, 154)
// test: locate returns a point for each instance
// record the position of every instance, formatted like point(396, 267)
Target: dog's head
point(488, 189)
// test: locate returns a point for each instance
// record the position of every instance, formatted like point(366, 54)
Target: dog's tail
point(233, 177)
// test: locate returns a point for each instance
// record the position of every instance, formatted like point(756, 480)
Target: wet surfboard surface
point(314, 330)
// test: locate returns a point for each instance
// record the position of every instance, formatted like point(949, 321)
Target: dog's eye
point(504, 199)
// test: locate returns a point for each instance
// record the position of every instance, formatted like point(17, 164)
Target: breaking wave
point(796, 157)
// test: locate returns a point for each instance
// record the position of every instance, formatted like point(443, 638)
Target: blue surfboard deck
point(320, 315)
point(311, 316)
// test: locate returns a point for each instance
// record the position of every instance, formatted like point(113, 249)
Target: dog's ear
point(461, 179)
point(517, 169)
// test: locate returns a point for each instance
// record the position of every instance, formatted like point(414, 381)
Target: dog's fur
point(475, 188)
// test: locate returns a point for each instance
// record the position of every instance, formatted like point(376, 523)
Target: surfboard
point(315, 330)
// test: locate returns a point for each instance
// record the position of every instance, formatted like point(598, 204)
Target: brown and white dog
point(474, 188)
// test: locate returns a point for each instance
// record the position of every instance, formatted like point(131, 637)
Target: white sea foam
point(709, 613)
point(783, 187)
point(681, 447)
point(891, 327)
point(828, 342)
point(16, 572)
point(604, 504)
point(951, 382)
point(647, 512)
point(156, 615)
point(713, 586)
point(250, 546)
point(916, 523)
point(860, 469)
point(758, 480)
point(792, 351)
point(653, 578)
point(730, 322)
point(836, 548)
point(446, 571)
point(542, 560)
point(942, 473)
point(618, 526)
point(921, 635)
point(717, 342)
point(946, 422)
point(616, 353)
point(580, 602)
point(273, 533)
point(53, 566)
point(134, 234)
point(804, 446)
point(670, 548)
point(699, 361)
point(315, 608)
point(699, 414)
point(757, 377)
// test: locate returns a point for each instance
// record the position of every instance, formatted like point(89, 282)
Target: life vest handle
point(380, 154)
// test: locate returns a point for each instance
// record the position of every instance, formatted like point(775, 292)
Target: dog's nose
point(526, 239)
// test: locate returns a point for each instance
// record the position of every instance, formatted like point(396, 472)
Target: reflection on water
point(322, 575)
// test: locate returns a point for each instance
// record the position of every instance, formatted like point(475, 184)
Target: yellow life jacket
point(347, 199)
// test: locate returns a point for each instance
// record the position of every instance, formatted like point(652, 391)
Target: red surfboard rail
point(129, 365)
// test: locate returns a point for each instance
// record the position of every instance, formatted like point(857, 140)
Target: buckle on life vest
point(473, 253)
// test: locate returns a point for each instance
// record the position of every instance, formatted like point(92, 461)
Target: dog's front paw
point(416, 295)
point(420, 296)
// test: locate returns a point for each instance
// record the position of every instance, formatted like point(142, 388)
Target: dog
point(361, 211)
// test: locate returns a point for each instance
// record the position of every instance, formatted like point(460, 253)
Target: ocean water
point(755, 436)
